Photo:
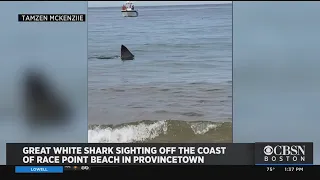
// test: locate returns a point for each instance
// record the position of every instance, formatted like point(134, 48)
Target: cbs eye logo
point(268, 150)
point(85, 168)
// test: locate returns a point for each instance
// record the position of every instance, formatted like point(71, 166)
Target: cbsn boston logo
point(285, 153)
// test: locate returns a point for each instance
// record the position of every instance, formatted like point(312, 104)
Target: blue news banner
point(59, 158)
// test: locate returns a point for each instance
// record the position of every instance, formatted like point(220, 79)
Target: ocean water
point(276, 51)
point(178, 88)
point(37, 45)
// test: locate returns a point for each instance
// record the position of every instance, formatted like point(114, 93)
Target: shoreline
point(166, 131)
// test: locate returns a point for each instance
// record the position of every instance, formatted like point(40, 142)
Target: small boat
point(128, 10)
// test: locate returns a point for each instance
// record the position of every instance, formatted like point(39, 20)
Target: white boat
point(128, 10)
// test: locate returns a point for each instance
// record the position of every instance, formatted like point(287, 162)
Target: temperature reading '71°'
point(270, 169)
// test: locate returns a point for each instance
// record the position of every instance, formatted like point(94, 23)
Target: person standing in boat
point(132, 7)
point(123, 7)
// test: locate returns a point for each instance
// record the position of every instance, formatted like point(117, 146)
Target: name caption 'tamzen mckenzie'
point(51, 17)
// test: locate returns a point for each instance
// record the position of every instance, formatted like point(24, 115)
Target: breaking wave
point(161, 131)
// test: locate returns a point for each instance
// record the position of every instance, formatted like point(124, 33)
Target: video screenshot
point(136, 88)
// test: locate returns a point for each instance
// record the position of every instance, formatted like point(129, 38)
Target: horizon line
point(162, 5)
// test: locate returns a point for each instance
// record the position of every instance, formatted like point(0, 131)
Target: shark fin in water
point(42, 104)
point(126, 54)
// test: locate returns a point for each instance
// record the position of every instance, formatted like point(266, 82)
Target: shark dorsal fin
point(42, 104)
point(126, 54)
